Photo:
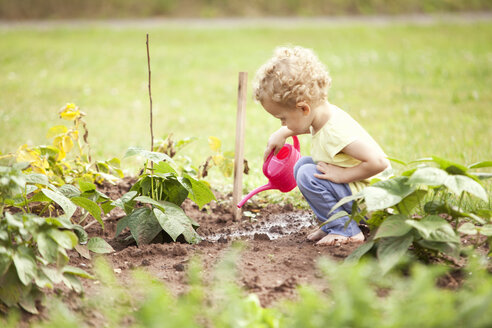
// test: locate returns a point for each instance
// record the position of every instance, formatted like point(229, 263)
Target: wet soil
point(276, 257)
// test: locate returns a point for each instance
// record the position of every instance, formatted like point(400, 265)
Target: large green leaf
point(468, 228)
point(5, 261)
point(65, 238)
point(452, 249)
point(28, 302)
point(11, 288)
point(81, 234)
point(200, 191)
point(430, 176)
point(143, 225)
point(438, 207)
point(164, 168)
point(460, 183)
point(384, 194)
point(126, 202)
point(76, 272)
point(65, 203)
point(89, 206)
point(25, 264)
point(150, 155)
point(99, 245)
point(36, 178)
point(391, 250)
point(175, 191)
point(86, 185)
point(122, 224)
point(409, 203)
point(176, 213)
point(69, 191)
point(450, 167)
point(47, 247)
point(72, 282)
point(346, 200)
point(393, 226)
point(149, 200)
point(360, 251)
point(486, 230)
point(53, 274)
point(336, 216)
point(481, 164)
point(172, 227)
point(434, 228)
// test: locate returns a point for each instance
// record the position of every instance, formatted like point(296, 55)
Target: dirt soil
point(276, 257)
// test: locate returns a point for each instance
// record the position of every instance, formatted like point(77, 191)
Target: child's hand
point(329, 172)
point(275, 143)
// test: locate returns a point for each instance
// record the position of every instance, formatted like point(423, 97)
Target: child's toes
point(316, 235)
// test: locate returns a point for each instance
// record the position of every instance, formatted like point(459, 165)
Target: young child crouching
point(292, 86)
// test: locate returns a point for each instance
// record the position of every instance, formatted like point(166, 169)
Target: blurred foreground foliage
point(34, 9)
point(356, 295)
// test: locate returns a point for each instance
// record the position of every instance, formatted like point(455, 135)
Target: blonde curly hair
point(292, 75)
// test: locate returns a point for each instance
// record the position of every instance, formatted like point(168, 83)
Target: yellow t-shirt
point(337, 133)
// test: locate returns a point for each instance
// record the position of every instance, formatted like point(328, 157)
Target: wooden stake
point(239, 152)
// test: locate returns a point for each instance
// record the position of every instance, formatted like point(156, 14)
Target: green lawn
point(418, 89)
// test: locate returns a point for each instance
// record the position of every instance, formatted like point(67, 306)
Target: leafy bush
point(33, 249)
point(162, 189)
point(422, 208)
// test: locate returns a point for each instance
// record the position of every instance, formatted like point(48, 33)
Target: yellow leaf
point(61, 155)
point(214, 143)
point(25, 154)
point(74, 134)
point(56, 130)
point(70, 112)
point(67, 144)
point(218, 159)
point(58, 143)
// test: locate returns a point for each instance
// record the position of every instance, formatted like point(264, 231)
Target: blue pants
point(322, 195)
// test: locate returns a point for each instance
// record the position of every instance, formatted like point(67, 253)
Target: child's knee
point(305, 175)
point(301, 162)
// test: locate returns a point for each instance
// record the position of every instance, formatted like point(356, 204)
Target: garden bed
point(275, 259)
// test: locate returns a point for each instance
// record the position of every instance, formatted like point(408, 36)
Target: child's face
point(296, 119)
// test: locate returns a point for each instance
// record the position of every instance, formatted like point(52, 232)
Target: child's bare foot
point(316, 235)
point(333, 239)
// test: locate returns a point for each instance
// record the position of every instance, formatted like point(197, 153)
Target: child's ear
point(304, 106)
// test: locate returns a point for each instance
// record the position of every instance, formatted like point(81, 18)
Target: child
point(292, 86)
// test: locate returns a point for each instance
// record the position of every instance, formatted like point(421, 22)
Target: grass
point(420, 90)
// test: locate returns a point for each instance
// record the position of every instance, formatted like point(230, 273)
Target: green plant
point(423, 208)
point(161, 189)
point(52, 161)
point(39, 197)
point(353, 295)
point(33, 249)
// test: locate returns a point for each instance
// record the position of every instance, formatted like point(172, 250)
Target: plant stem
point(150, 97)
point(44, 208)
point(456, 220)
point(26, 200)
point(83, 219)
point(151, 128)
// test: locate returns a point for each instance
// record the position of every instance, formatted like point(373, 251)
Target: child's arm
point(373, 161)
point(277, 140)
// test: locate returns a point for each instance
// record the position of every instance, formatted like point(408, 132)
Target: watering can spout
point(254, 192)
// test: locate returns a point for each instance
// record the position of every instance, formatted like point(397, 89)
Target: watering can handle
point(265, 164)
point(296, 143)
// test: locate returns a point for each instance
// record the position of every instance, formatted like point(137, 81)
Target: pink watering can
point(279, 169)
